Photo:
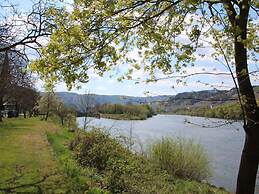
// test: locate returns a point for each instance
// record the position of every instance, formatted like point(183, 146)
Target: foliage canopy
point(167, 35)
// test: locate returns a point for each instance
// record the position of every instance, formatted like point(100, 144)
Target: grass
point(26, 157)
point(32, 149)
point(180, 158)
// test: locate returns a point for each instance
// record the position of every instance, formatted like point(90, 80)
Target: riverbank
point(123, 116)
point(35, 157)
point(125, 112)
point(228, 111)
point(223, 142)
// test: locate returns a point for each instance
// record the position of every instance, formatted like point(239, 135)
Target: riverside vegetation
point(125, 112)
point(44, 157)
point(224, 111)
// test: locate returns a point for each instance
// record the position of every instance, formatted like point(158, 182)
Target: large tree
point(23, 30)
point(21, 34)
point(14, 78)
point(168, 36)
point(26, 98)
point(5, 80)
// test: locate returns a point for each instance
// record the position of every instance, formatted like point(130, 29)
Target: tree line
point(20, 34)
point(139, 111)
point(16, 86)
point(224, 111)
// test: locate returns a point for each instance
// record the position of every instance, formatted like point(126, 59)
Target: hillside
point(204, 98)
point(75, 100)
point(165, 103)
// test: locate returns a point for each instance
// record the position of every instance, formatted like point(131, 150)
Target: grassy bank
point(38, 156)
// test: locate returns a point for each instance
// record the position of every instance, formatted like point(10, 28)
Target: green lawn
point(26, 157)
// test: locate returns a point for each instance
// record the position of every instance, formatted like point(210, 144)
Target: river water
point(223, 142)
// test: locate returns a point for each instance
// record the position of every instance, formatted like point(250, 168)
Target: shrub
point(181, 158)
point(123, 171)
point(96, 191)
point(95, 148)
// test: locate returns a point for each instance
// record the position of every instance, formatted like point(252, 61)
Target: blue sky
point(110, 86)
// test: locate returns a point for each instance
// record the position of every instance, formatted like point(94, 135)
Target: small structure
point(10, 109)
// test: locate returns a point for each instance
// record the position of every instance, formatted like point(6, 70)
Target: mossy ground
point(32, 149)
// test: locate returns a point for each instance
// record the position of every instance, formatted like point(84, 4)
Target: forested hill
point(205, 98)
point(74, 99)
point(167, 103)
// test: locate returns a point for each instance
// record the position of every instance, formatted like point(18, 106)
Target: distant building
point(10, 109)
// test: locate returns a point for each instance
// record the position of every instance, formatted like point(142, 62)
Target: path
point(26, 159)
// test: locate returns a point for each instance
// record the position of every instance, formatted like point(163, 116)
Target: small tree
point(47, 104)
point(86, 107)
point(63, 112)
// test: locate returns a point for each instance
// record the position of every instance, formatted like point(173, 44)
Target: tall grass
point(180, 157)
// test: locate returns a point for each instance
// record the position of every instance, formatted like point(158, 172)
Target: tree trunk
point(47, 115)
point(249, 162)
point(1, 108)
point(250, 155)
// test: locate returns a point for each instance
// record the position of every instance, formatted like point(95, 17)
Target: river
point(223, 142)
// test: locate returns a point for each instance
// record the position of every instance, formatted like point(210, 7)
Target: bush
point(181, 158)
point(123, 171)
point(95, 148)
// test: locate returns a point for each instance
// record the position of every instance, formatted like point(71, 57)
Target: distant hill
point(75, 100)
point(166, 103)
point(204, 98)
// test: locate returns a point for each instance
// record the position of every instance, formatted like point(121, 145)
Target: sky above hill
point(109, 85)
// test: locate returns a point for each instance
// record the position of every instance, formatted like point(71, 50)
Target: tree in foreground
point(168, 36)
point(23, 30)
point(20, 33)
